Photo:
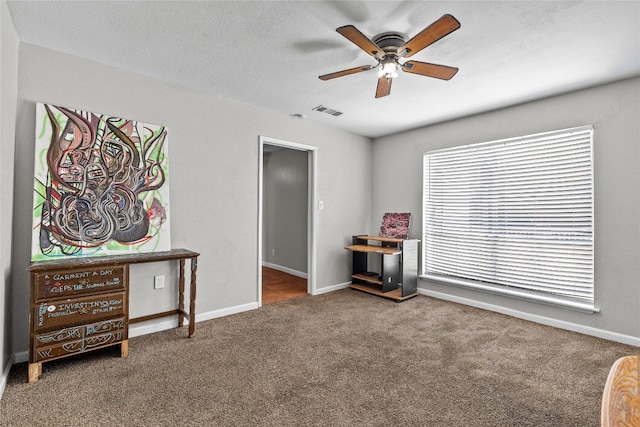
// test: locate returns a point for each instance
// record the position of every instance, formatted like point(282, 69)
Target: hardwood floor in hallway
point(280, 286)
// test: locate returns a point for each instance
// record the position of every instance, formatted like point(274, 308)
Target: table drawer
point(76, 282)
point(73, 340)
point(81, 332)
point(48, 315)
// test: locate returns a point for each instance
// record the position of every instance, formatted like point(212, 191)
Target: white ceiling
point(270, 53)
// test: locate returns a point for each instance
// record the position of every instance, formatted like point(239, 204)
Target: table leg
point(181, 296)
point(192, 295)
point(124, 348)
point(35, 370)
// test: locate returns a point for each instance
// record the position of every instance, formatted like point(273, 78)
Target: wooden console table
point(82, 304)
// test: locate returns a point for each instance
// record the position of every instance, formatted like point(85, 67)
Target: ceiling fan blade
point(345, 72)
point(430, 70)
point(360, 40)
point(434, 32)
point(384, 86)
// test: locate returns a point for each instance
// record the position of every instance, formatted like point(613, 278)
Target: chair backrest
point(621, 397)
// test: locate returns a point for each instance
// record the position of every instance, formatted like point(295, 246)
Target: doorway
point(286, 220)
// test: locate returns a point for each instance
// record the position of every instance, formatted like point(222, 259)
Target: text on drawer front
point(76, 282)
point(50, 314)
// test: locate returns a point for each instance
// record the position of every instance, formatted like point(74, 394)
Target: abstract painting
point(101, 185)
point(395, 225)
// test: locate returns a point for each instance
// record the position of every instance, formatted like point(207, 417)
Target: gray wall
point(8, 90)
point(214, 162)
point(613, 110)
point(285, 206)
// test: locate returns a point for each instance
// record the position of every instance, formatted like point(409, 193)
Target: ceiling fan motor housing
point(389, 42)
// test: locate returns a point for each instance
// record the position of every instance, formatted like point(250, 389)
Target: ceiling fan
point(388, 48)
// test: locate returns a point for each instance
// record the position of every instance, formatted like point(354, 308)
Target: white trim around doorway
point(312, 203)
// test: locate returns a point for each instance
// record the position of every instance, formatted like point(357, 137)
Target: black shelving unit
point(398, 275)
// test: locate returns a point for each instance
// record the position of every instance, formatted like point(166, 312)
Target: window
point(513, 216)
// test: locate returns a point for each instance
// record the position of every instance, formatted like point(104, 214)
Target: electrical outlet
point(273, 252)
point(158, 282)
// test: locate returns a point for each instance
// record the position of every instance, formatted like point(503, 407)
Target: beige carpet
point(340, 359)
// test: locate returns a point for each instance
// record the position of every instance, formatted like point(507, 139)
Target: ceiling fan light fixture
point(389, 68)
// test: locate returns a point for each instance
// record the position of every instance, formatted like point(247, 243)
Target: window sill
point(531, 296)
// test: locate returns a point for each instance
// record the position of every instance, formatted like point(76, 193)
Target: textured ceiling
point(270, 53)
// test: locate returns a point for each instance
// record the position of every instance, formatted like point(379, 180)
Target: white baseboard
point(5, 376)
point(332, 288)
point(20, 357)
point(226, 311)
point(151, 326)
point(560, 324)
point(285, 270)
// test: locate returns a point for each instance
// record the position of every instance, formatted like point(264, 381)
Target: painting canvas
point(101, 185)
point(395, 225)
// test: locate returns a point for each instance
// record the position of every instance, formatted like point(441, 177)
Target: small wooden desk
point(398, 278)
point(82, 304)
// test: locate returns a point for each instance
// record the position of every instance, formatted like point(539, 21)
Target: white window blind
point(513, 216)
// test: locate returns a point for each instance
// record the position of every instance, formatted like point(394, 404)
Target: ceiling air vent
point(324, 109)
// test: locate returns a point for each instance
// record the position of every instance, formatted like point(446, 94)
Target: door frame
point(311, 211)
